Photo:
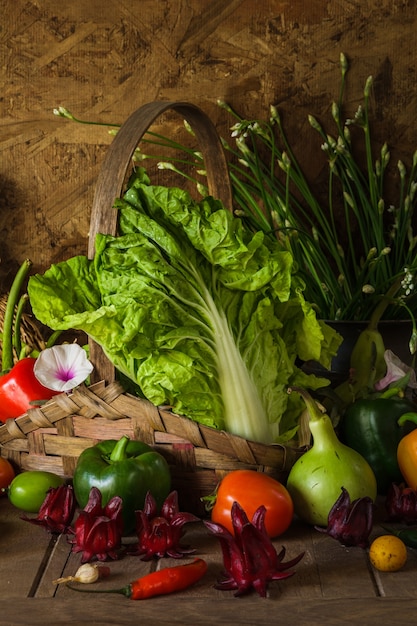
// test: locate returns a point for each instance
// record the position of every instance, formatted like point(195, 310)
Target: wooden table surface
point(332, 585)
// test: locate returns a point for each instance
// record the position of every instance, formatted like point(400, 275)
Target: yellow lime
point(388, 553)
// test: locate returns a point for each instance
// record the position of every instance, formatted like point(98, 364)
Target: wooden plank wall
point(102, 59)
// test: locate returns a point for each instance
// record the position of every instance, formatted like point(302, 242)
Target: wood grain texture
point(332, 584)
point(197, 612)
point(104, 60)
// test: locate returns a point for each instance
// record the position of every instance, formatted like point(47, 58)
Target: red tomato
point(7, 474)
point(252, 489)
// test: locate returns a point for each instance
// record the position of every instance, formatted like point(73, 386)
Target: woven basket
point(52, 437)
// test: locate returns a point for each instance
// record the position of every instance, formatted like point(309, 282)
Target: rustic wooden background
point(102, 59)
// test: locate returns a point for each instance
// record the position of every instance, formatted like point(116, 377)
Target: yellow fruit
point(388, 553)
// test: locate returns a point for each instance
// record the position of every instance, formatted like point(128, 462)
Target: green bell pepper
point(370, 426)
point(124, 468)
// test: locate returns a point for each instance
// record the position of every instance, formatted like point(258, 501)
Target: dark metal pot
point(396, 335)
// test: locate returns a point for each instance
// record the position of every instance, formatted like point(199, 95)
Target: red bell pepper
point(19, 387)
point(18, 384)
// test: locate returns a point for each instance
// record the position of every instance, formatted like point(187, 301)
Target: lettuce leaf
point(201, 314)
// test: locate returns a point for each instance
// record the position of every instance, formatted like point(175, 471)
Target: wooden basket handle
point(117, 165)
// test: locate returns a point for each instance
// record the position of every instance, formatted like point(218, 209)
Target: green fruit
point(27, 490)
point(315, 480)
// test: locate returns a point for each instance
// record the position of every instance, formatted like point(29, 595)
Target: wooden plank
point(54, 567)
point(331, 584)
point(306, 583)
point(343, 571)
point(115, 610)
point(23, 547)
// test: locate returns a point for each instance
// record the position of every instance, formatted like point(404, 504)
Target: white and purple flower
point(62, 367)
point(396, 370)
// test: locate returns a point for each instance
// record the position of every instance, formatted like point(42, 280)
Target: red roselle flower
point(57, 510)
point(160, 534)
point(401, 504)
point(249, 557)
point(98, 530)
point(350, 522)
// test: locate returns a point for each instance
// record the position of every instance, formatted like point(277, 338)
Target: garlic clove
point(86, 573)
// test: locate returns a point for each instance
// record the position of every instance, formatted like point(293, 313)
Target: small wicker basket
point(52, 437)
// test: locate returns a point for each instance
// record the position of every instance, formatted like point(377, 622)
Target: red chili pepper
point(168, 580)
point(19, 387)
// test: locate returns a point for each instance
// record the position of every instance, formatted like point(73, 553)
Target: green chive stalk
point(347, 279)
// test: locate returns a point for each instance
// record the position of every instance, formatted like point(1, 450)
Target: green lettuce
point(199, 313)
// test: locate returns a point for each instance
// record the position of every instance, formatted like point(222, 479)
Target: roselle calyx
point(56, 511)
point(249, 557)
point(98, 530)
point(348, 522)
point(401, 504)
point(159, 533)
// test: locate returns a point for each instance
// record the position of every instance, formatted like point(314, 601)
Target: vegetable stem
point(244, 413)
point(407, 417)
point(119, 450)
point(17, 340)
point(320, 424)
point(9, 315)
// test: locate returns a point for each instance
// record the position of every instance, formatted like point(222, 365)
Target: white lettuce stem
point(244, 414)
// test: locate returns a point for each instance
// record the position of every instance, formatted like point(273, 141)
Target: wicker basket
point(52, 437)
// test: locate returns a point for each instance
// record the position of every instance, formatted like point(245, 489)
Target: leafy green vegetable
point(198, 312)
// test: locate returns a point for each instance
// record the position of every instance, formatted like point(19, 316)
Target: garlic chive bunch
point(352, 247)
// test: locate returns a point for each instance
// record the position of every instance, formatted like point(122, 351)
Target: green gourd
point(317, 477)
